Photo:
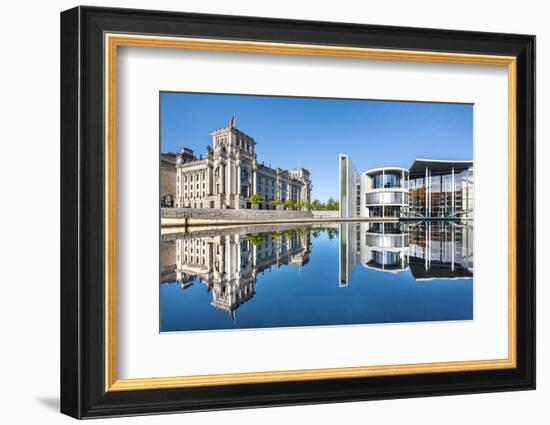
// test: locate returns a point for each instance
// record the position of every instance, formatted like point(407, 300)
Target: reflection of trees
point(289, 233)
point(257, 239)
point(331, 232)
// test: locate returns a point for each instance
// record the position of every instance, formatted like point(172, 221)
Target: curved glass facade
point(389, 211)
point(428, 189)
point(387, 241)
point(388, 260)
point(387, 179)
point(387, 198)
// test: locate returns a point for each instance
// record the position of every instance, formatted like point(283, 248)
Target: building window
point(387, 180)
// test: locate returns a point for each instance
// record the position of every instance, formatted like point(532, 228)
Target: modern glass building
point(384, 192)
point(428, 189)
point(443, 189)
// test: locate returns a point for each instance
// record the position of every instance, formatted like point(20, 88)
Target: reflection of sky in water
point(325, 277)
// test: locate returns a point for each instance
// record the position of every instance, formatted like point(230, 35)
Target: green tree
point(276, 202)
point(316, 205)
point(288, 203)
point(300, 204)
point(332, 205)
point(256, 199)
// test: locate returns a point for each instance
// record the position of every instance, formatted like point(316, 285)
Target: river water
point(316, 275)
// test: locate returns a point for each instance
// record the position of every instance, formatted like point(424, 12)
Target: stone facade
point(229, 173)
point(168, 179)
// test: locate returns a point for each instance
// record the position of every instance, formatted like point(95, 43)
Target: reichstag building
point(229, 173)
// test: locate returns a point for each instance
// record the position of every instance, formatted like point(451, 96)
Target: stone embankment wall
point(192, 216)
point(326, 214)
point(172, 218)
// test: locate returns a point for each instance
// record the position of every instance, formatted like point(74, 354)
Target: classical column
point(178, 188)
point(239, 183)
point(229, 188)
point(208, 179)
point(254, 179)
point(222, 178)
point(222, 255)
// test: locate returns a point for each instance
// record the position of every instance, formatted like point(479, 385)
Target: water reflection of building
point(441, 250)
point(428, 189)
point(229, 264)
point(384, 246)
point(429, 250)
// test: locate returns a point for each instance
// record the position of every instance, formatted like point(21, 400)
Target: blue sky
point(312, 132)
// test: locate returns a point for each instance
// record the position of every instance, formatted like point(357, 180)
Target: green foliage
point(288, 203)
point(276, 202)
point(331, 232)
point(288, 233)
point(316, 205)
point(256, 199)
point(257, 239)
point(330, 205)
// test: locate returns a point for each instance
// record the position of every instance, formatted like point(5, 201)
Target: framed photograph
point(261, 212)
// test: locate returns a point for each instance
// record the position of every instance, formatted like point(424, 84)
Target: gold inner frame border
point(112, 41)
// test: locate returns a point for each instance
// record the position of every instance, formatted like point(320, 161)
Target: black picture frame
point(83, 392)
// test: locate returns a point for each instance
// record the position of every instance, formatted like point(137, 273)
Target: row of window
point(194, 195)
point(192, 177)
point(387, 180)
point(444, 183)
point(191, 186)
